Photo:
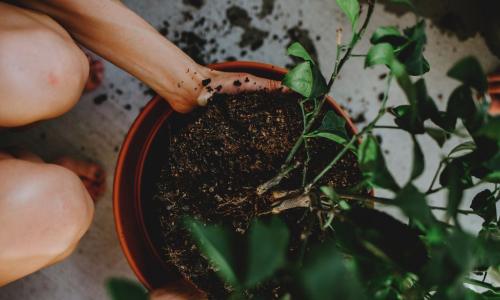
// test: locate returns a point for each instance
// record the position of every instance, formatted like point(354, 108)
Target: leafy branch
point(323, 91)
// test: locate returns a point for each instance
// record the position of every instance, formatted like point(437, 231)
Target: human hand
point(180, 290)
point(204, 83)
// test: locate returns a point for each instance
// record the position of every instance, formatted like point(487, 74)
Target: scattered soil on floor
point(217, 157)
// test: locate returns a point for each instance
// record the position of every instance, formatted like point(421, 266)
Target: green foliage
point(418, 160)
point(125, 289)
point(348, 250)
point(327, 275)
point(413, 203)
point(305, 78)
point(216, 243)
point(484, 204)
point(297, 50)
point(469, 72)
point(408, 46)
point(333, 128)
point(267, 244)
point(351, 8)
point(372, 163)
point(408, 3)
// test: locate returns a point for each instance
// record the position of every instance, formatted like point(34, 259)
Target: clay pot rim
point(238, 66)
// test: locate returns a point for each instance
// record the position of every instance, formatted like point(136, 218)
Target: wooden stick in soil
point(339, 63)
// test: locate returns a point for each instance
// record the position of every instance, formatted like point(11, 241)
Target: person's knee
point(54, 209)
point(71, 205)
point(47, 211)
point(42, 73)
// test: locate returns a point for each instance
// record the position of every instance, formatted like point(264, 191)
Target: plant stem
point(429, 190)
point(464, 212)
point(368, 128)
point(386, 127)
point(339, 63)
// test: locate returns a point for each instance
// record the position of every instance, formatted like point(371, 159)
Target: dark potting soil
point(217, 157)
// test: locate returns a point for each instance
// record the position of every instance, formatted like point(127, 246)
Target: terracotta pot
point(138, 161)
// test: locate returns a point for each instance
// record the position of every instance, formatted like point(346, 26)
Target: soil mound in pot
point(217, 157)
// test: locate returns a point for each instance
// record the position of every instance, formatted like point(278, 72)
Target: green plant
point(365, 253)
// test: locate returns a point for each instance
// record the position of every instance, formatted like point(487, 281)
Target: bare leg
point(44, 208)
point(44, 211)
point(42, 70)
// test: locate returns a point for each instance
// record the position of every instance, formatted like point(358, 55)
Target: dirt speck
point(100, 99)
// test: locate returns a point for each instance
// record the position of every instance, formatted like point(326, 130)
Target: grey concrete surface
point(96, 131)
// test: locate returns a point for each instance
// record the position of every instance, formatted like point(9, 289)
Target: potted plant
point(267, 195)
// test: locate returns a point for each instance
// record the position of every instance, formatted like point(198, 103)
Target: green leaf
point(455, 186)
point(493, 177)
point(329, 192)
point(411, 53)
point(438, 135)
point(389, 34)
point(380, 54)
point(351, 8)
point(297, 50)
point(418, 160)
point(216, 244)
point(334, 138)
point(372, 163)
point(469, 72)
point(333, 123)
point(461, 104)
point(326, 275)
point(491, 129)
point(125, 289)
point(406, 119)
point(484, 204)
point(412, 202)
point(306, 79)
point(377, 236)
point(409, 3)
point(468, 146)
point(268, 245)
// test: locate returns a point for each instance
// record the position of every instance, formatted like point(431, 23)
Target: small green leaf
point(411, 54)
point(334, 138)
point(389, 34)
point(125, 289)
point(327, 275)
point(484, 204)
point(330, 193)
point(491, 129)
point(493, 177)
point(438, 135)
point(300, 79)
point(412, 202)
point(409, 3)
point(380, 54)
point(455, 186)
point(268, 245)
point(216, 243)
point(297, 50)
point(461, 104)
point(351, 8)
point(306, 79)
point(418, 160)
point(406, 119)
point(373, 165)
point(469, 72)
point(468, 146)
point(333, 123)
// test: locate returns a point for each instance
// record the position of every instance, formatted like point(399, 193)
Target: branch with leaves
point(348, 250)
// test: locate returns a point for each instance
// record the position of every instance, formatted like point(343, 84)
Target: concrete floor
point(96, 131)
